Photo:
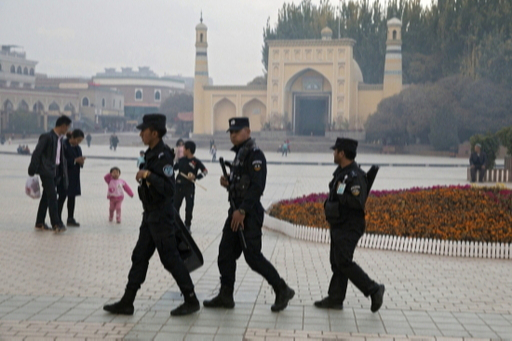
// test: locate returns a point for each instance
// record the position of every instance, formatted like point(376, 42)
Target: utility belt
point(336, 213)
point(238, 189)
point(150, 202)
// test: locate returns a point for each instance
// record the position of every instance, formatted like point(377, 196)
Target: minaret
point(200, 78)
point(393, 66)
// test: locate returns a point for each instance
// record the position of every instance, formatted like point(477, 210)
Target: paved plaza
point(53, 286)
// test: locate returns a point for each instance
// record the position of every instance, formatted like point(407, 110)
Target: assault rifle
point(231, 201)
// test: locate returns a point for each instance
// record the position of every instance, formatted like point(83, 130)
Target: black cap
point(237, 123)
point(345, 144)
point(155, 121)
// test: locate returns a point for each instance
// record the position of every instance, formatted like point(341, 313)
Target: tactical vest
point(239, 177)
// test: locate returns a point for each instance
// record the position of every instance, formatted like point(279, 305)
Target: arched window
point(394, 35)
point(157, 95)
point(13, 69)
point(0, 67)
point(54, 107)
point(138, 94)
point(23, 106)
point(85, 102)
point(18, 70)
point(201, 37)
point(120, 104)
point(32, 71)
point(25, 71)
point(103, 103)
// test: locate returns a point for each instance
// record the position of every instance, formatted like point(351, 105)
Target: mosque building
point(314, 86)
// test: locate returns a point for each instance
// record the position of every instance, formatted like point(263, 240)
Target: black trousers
point(49, 202)
point(71, 206)
point(156, 232)
point(231, 247)
point(481, 173)
point(187, 193)
point(344, 240)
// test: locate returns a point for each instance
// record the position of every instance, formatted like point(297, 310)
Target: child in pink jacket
point(115, 192)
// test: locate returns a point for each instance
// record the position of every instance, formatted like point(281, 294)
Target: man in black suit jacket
point(49, 162)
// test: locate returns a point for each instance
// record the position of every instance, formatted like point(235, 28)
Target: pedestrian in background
point(49, 162)
point(140, 159)
point(75, 161)
point(477, 162)
point(116, 189)
point(213, 151)
point(180, 146)
point(187, 173)
point(88, 138)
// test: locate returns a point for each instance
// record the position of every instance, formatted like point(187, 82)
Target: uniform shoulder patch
point(356, 190)
point(257, 164)
point(168, 170)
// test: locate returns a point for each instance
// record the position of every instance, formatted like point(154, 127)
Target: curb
point(439, 247)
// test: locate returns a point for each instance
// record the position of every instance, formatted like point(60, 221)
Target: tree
point(259, 80)
point(505, 136)
point(176, 103)
point(443, 130)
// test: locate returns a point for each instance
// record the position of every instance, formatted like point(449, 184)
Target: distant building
point(18, 92)
point(314, 87)
point(143, 90)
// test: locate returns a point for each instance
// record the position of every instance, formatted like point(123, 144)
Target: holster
point(332, 210)
point(143, 195)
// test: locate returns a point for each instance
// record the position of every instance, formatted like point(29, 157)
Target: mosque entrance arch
point(311, 114)
point(309, 101)
point(222, 112)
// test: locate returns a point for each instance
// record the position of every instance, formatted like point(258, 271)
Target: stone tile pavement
point(54, 286)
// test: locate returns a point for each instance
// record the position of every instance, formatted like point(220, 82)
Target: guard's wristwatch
point(242, 212)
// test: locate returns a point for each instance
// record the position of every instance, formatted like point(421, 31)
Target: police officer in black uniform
point(344, 210)
point(157, 231)
point(242, 229)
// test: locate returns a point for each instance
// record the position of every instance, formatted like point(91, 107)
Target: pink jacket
point(115, 188)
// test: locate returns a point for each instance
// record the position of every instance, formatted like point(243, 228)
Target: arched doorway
point(222, 112)
point(23, 106)
point(69, 109)
point(308, 96)
point(38, 108)
point(256, 111)
point(7, 109)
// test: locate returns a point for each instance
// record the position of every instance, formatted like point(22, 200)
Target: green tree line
point(449, 37)
point(443, 113)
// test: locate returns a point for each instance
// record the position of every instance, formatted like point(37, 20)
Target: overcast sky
point(82, 37)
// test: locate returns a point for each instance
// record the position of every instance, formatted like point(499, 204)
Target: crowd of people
point(23, 149)
point(168, 176)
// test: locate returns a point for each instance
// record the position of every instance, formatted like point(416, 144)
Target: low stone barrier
point(385, 242)
point(492, 175)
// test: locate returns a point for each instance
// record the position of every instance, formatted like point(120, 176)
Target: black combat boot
point(125, 305)
point(223, 300)
point(190, 306)
point(283, 295)
point(377, 298)
point(329, 303)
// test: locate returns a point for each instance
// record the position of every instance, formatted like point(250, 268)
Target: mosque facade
point(314, 86)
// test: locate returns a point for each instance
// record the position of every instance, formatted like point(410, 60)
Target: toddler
point(115, 192)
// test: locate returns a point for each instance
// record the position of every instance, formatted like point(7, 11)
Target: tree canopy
point(469, 37)
point(443, 113)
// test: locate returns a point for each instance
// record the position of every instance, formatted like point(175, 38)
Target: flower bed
point(461, 213)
